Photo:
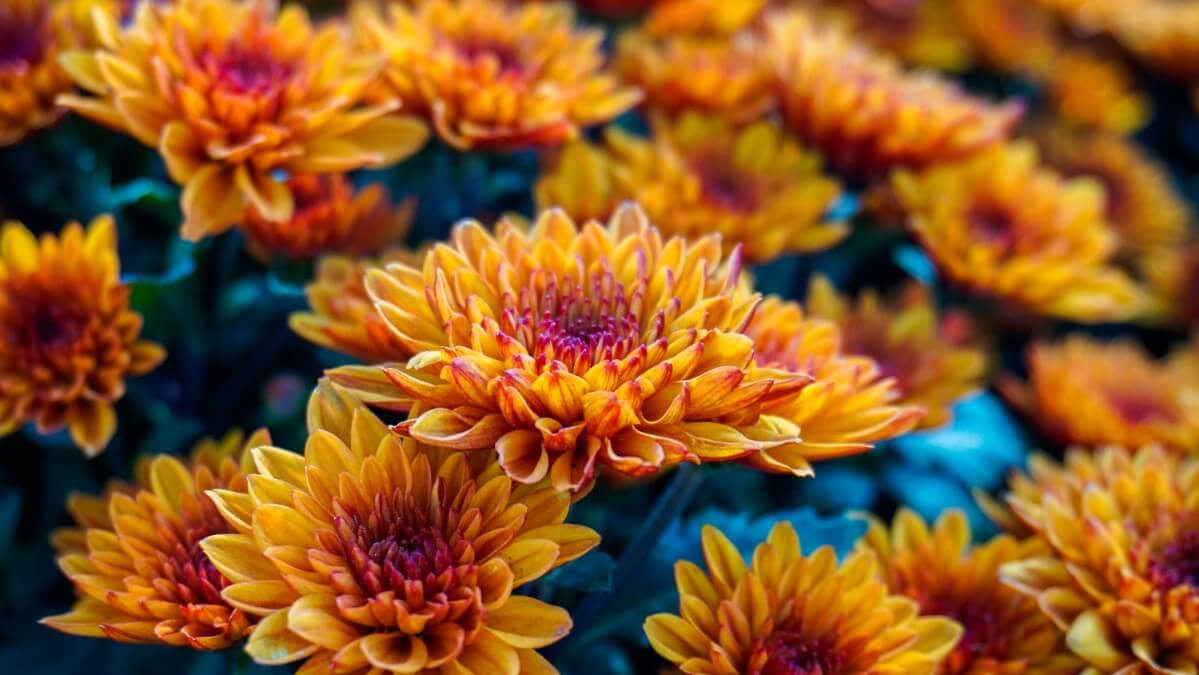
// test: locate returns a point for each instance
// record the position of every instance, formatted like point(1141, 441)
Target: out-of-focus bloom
point(1003, 226)
point(1162, 33)
point(563, 349)
point(1096, 92)
point(864, 112)
point(784, 613)
point(490, 74)
point(1091, 393)
point(69, 337)
point(1011, 36)
point(31, 38)
point(924, 354)
point(700, 175)
point(370, 553)
point(232, 93)
point(329, 216)
point(580, 179)
point(1003, 632)
point(1120, 577)
point(702, 17)
point(135, 557)
point(1172, 274)
point(924, 33)
point(342, 316)
point(848, 404)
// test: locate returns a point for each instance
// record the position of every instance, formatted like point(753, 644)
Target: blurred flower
point(69, 337)
point(135, 557)
point(1120, 577)
point(1011, 36)
point(944, 575)
point(370, 552)
point(924, 33)
point(580, 179)
point(1162, 33)
point(786, 613)
point(1172, 274)
point(31, 37)
point(864, 112)
point(702, 17)
point(925, 354)
point(1003, 226)
point(492, 74)
point(699, 175)
point(231, 94)
point(847, 405)
point(329, 216)
point(1091, 393)
point(1097, 92)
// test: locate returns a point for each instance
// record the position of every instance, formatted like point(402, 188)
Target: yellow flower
point(329, 216)
point(848, 403)
point(699, 175)
point(864, 112)
point(1003, 226)
point(1120, 575)
point(70, 337)
point(785, 614)
point(563, 349)
point(1011, 36)
point(580, 179)
point(370, 553)
point(1004, 633)
point(1092, 91)
point(492, 74)
point(926, 33)
point(1091, 393)
point(31, 36)
point(135, 556)
point(232, 94)
point(924, 353)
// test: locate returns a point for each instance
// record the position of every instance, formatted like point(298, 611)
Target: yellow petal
point(529, 623)
point(272, 643)
point(236, 556)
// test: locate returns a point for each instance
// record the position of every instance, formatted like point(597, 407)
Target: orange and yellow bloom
point(232, 93)
point(70, 339)
point(785, 613)
point(1093, 91)
point(31, 38)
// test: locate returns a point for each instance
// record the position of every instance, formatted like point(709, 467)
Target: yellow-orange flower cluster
point(1119, 576)
point(135, 554)
point(370, 553)
point(232, 93)
point(70, 339)
point(491, 74)
point(1003, 226)
point(785, 613)
point(1092, 91)
point(31, 38)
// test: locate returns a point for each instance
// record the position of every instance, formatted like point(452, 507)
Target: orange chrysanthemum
point(329, 216)
point(926, 355)
point(32, 35)
point(1004, 633)
point(1011, 36)
point(1003, 226)
point(1096, 92)
point(135, 556)
point(491, 74)
point(1120, 577)
point(789, 614)
point(702, 17)
point(69, 337)
point(848, 404)
point(864, 112)
point(1091, 393)
point(699, 175)
point(563, 349)
point(232, 94)
point(369, 553)
point(924, 33)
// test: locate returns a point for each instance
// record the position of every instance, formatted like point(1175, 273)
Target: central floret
point(790, 653)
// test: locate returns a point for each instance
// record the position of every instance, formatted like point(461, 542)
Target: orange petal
point(450, 429)
point(522, 456)
point(211, 202)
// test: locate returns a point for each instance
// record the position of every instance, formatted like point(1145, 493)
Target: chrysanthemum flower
point(702, 17)
point(925, 354)
point(1162, 33)
point(370, 553)
point(699, 175)
point(1002, 226)
point(1011, 36)
point(1080, 391)
point(70, 339)
point(492, 74)
point(329, 216)
point(31, 37)
point(864, 112)
point(789, 614)
point(1093, 91)
point(564, 349)
point(938, 569)
point(580, 179)
point(135, 556)
point(232, 94)
point(923, 33)
point(1120, 577)
point(849, 402)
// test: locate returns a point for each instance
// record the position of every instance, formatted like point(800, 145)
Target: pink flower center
point(196, 580)
point(1177, 562)
point(985, 633)
point(792, 654)
point(22, 38)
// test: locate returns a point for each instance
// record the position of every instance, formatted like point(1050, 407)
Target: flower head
point(1011, 36)
point(372, 553)
point(1092, 91)
point(1162, 33)
point(31, 37)
point(924, 33)
point(789, 614)
point(232, 94)
point(135, 556)
point(1003, 226)
point(490, 74)
point(702, 17)
point(1119, 576)
point(69, 337)
point(927, 356)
